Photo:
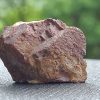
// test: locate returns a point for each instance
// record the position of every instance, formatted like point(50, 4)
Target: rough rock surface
point(44, 51)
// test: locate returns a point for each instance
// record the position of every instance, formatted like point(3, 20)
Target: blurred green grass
point(84, 14)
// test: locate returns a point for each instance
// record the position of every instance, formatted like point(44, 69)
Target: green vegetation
point(84, 14)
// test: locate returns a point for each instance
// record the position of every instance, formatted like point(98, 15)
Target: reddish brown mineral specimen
point(44, 51)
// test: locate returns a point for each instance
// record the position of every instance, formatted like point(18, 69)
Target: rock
point(44, 51)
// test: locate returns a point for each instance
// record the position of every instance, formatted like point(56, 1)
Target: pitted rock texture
point(44, 51)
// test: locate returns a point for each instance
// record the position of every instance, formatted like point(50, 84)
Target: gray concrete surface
point(66, 91)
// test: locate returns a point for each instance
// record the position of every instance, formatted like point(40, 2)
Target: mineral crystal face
point(44, 51)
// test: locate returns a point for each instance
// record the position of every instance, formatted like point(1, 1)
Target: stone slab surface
point(59, 91)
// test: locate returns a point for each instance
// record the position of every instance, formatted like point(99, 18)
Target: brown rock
point(44, 51)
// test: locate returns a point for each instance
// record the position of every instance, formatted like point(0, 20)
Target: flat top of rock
point(43, 33)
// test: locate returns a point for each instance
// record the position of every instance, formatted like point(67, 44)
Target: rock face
point(44, 51)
